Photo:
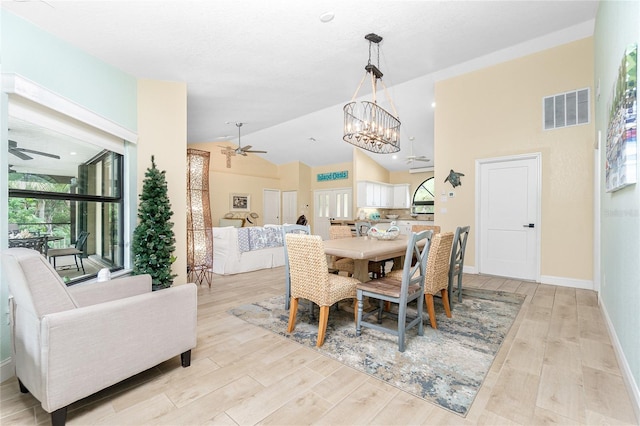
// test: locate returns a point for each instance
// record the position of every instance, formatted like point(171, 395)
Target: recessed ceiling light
point(312, 139)
point(72, 153)
point(327, 17)
point(433, 104)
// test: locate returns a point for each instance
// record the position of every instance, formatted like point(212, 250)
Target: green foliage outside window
point(153, 238)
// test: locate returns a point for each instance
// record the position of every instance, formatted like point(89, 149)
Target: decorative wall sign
point(344, 174)
point(620, 166)
point(240, 202)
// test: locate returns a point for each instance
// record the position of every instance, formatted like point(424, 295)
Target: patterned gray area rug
point(445, 366)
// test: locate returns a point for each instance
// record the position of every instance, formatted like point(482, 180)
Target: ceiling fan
point(20, 152)
point(240, 150)
point(412, 158)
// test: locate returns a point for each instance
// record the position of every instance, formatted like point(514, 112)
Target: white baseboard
point(469, 269)
point(567, 282)
point(7, 369)
point(632, 386)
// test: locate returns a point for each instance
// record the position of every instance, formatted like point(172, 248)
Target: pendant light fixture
point(366, 124)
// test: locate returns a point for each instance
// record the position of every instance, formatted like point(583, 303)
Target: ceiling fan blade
point(44, 154)
point(245, 148)
point(422, 159)
point(256, 152)
point(19, 154)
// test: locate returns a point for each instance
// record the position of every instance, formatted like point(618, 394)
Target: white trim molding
point(15, 84)
point(7, 369)
point(625, 369)
point(566, 282)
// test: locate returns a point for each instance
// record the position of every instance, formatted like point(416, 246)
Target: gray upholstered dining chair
point(311, 280)
point(400, 287)
point(290, 229)
point(456, 262)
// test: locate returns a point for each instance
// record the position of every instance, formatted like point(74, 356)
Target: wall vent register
point(566, 109)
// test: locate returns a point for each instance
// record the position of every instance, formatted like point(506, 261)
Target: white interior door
point(271, 206)
point(331, 204)
point(289, 206)
point(509, 212)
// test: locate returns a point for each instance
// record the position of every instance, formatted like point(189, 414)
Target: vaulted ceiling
point(275, 66)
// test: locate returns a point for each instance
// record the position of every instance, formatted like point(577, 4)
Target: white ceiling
point(276, 67)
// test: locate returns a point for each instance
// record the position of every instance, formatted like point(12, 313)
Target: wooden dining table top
point(367, 248)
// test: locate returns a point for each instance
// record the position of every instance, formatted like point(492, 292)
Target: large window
point(423, 197)
point(59, 187)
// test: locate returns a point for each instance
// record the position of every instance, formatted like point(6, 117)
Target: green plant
point(153, 238)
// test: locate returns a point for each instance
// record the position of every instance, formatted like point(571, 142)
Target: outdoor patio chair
point(77, 251)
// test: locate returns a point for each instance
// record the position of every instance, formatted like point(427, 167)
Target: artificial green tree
point(153, 238)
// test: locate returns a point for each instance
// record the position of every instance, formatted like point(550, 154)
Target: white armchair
point(71, 342)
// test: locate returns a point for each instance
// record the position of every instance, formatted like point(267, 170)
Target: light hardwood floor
point(556, 366)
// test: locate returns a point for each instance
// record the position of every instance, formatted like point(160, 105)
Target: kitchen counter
point(420, 218)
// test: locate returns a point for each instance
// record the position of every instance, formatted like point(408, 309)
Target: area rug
point(445, 366)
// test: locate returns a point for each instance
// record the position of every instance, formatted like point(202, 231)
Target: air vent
point(566, 109)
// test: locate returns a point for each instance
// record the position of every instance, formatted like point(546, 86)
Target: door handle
point(531, 225)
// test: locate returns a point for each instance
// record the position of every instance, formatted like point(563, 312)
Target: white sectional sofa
point(237, 250)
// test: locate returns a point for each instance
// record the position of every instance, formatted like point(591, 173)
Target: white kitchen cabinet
point(375, 194)
point(401, 196)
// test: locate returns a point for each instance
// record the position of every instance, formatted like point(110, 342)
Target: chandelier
point(367, 125)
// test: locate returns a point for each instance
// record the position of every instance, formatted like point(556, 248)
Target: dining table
point(365, 249)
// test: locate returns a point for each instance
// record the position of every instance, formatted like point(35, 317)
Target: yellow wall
point(497, 111)
point(162, 132)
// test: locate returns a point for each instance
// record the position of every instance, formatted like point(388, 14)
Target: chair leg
point(360, 303)
point(81, 264)
point(293, 311)
point(460, 287)
point(185, 358)
point(322, 326)
point(59, 417)
point(402, 325)
point(355, 310)
point(445, 302)
point(23, 388)
point(428, 298)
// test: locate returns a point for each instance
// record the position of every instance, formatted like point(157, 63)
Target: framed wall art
point(240, 202)
point(622, 139)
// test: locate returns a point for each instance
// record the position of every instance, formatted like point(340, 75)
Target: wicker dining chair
point(418, 228)
point(437, 278)
point(290, 229)
point(311, 280)
point(341, 264)
point(375, 268)
point(400, 287)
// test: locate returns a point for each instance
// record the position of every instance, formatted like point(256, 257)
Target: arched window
point(424, 196)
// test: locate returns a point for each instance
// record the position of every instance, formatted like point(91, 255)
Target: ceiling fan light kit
point(231, 151)
point(366, 124)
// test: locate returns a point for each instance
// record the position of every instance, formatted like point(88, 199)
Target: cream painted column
point(162, 132)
